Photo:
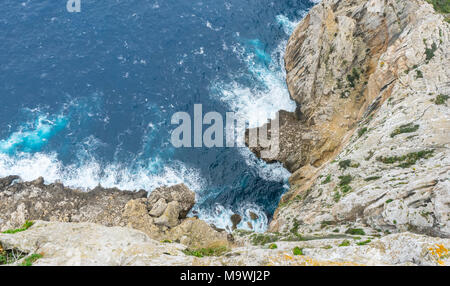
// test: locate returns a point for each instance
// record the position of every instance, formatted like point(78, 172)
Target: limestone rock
point(196, 233)
point(368, 145)
point(158, 208)
point(35, 201)
point(92, 244)
point(170, 216)
point(179, 193)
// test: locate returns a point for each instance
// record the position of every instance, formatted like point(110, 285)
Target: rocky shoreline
point(368, 148)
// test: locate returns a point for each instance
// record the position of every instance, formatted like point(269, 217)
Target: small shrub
point(364, 242)
point(419, 74)
point(327, 180)
point(297, 251)
point(10, 256)
point(407, 128)
point(202, 252)
point(345, 180)
point(389, 201)
point(441, 99)
point(408, 159)
point(373, 178)
point(345, 164)
point(294, 228)
point(355, 231)
point(429, 52)
point(273, 246)
point(337, 196)
point(261, 239)
point(346, 189)
point(354, 76)
point(362, 131)
point(344, 243)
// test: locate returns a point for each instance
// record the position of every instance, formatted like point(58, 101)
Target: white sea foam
point(220, 216)
point(90, 173)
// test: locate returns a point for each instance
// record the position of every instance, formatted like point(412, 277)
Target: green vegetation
point(337, 196)
point(355, 231)
point(373, 178)
point(408, 159)
point(10, 256)
point(345, 180)
point(419, 74)
point(345, 164)
point(429, 52)
point(354, 76)
point(202, 252)
point(327, 180)
point(389, 201)
point(441, 6)
point(364, 242)
point(344, 243)
point(362, 131)
point(327, 247)
point(297, 251)
point(261, 239)
point(294, 228)
point(24, 227)
point(345, 189)
point(326, 223)
point(441, 99)
point(407, 128)
point(31, 259)
point(166, 241)
point(273, 246)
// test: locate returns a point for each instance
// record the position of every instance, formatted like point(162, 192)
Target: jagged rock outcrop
point(371, 82)
point(59, 243)
point(162, 215)
point(23, 201)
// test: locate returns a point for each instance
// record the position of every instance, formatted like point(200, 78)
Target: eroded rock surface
point(369, 142)
point(162, 215)
point(23, 201)
point(93, 244)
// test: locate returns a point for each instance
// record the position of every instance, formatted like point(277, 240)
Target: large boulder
point(163, 217)
point(179, 193)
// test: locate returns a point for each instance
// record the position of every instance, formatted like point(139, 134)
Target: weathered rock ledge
point(161, 215)
point(59, 243)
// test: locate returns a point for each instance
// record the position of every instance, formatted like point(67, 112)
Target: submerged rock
point(235, 219)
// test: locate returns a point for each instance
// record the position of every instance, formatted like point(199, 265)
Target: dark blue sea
point(86, 98)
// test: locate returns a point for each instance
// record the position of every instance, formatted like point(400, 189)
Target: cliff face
point(371, 82)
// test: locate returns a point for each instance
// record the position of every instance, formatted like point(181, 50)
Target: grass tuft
point(24, 227)
point(202, 252)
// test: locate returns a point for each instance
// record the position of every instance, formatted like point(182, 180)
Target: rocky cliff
point(368, 148)
point(369, 142)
